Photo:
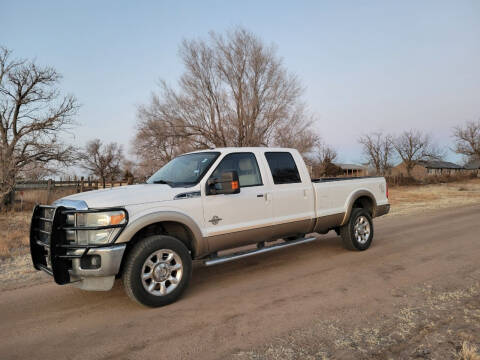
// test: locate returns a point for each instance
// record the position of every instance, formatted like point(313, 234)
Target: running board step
point(261, 250)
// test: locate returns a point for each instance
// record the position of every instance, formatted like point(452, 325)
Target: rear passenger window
point(244, 164)
point(283, 167)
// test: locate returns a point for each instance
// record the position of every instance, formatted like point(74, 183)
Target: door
point(239, 219)
point(292, 195)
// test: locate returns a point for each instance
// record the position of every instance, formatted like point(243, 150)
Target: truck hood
point(127, 195)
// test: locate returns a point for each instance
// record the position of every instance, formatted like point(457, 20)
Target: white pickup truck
point(192, 209)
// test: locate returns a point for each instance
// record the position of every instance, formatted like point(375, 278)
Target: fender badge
point(215, 220)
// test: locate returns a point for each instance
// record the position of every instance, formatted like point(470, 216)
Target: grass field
point(406, 199)
point(15, 229)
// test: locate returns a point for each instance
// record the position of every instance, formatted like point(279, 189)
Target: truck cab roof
point(245, 149)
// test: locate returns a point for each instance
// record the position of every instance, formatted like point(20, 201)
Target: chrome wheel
point(162, 272)
point(362, 229)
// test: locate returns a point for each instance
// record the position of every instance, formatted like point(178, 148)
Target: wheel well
point(172, 228)
point(364, 202)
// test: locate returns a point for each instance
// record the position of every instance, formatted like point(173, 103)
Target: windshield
point(185, 170)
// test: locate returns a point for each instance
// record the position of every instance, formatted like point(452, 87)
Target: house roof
point(438, 164)
point(473, 164)
point(351, 166)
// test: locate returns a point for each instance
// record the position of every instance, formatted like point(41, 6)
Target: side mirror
point(227, 183)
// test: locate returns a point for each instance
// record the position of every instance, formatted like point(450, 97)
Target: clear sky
point(366, 65)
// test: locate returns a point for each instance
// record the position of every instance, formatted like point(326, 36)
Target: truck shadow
point(205, 278)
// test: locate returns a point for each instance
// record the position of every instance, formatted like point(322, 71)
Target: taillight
point(386, 187)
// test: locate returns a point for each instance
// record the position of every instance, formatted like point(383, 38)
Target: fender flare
point(199, 246)
point(354, 197)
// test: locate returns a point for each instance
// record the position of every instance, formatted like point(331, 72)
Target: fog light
point(90, 262)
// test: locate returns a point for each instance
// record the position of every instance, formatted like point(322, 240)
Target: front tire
point(357, 233)
point(157, 270)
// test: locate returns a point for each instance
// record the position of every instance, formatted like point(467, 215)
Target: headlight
point(97, 219)
point(101, 218)
point(96, 237)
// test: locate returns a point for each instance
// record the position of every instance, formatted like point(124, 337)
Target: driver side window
point(245, 164)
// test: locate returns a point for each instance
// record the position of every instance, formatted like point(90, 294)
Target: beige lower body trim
point(253, 236)
point(325, 223)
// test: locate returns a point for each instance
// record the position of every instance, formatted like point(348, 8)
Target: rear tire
point(357, 233)
point(157, 270)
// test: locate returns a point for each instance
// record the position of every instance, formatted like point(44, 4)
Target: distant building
point(429, 168)
point(353, 169)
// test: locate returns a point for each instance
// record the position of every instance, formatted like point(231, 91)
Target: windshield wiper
point(163, 182)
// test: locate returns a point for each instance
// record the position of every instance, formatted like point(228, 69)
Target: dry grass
point(14, 237)
point(468, 352)
point(418, 198)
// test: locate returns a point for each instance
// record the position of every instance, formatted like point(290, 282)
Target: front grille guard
point(48, 244)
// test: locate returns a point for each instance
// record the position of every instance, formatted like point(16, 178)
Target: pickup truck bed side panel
point(335, 199)
point(338, 196)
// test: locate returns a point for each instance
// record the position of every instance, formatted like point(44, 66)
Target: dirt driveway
point(414, 294)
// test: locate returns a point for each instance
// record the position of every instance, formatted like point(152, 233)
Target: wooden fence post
point(49, 187)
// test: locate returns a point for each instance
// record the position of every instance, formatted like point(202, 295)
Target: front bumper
point(90, 267)
point(103, 277)
point(110, 258)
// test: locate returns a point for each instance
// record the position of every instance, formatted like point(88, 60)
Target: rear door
point(243, 218)
point(292, 194)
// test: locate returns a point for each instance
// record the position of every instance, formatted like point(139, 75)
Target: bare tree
point(467, 140)
point(326, 154)
point(234, 91)
point(298, 133)
point(413, 146)
point(378, 149)
point(129, 170)
point(38, 171)
point(33, 114)
point(155, 142)
point(102, 160)
point(322, 161)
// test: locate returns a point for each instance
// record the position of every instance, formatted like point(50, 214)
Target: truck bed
point(333, 195)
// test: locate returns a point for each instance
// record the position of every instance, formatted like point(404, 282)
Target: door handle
point(259, 195)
